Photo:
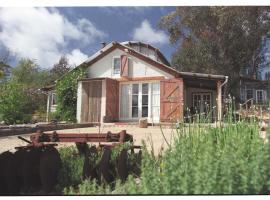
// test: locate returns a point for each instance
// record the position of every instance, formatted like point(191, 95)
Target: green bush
point(204, 160)
point(66, 91)
point(87, 187)
point(71, 169)
point(231, 159)
point(12, 103)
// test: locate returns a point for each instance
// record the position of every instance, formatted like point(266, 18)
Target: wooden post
point(48, 106)
point(219, 101)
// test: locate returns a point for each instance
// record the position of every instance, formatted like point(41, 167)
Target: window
point(267, 76)
point(201, 102)
point(155, 101)
point(136, 101)
point(145, 100)
point(116, 66)
point(196, 102)
point(259, 96)
point(249, 94)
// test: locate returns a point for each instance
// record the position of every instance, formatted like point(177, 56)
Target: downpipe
point(220, 88)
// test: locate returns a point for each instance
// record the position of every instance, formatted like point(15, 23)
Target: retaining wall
point(27, 129)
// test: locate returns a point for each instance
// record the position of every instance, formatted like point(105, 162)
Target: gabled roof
point(166, 68)
point(114, 45)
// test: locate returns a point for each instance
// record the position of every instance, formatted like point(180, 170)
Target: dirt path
point(139, 134)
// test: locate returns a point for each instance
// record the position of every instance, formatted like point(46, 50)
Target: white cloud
point(146, 33)
point(44, 34)
point(76, 57)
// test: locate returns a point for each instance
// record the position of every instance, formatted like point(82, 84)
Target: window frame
point(150, 116)
point(247, 95)
point(262, 100)
point(113, 66)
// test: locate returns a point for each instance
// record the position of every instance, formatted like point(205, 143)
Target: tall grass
point(229, 159)
point(233, 159)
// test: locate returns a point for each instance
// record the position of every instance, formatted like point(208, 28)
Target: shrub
point(71, 169)
point(229, 160)
point(232, 159)
point(12, 103)
point(66, 91)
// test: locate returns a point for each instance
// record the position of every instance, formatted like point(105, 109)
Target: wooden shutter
point(124, 66)
point(91, 101)
point(171, 100)
point(95, 94)
point(112, 100)
point(85, 102)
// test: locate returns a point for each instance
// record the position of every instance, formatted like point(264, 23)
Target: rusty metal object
point(135, 167)
point(30, 170)
point(40, 137)
point(25, 140)
point(106, 168)
point(9, 181)
point(40, 162)
point(50, 164)
point(122, 165)
point(90, 168)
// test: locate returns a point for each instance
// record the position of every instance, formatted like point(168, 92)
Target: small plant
point(72, 167)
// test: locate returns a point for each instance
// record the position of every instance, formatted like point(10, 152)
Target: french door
point(139, 100)
point(202, 102)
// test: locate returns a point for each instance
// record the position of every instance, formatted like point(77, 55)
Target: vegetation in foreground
point(233, 159)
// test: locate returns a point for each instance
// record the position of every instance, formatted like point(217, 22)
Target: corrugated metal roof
point(202, 75)
point(108, 46)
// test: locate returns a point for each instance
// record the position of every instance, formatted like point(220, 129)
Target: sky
point(45, 34)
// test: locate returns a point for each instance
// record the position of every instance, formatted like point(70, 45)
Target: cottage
point(132, 80)
point(254, 90)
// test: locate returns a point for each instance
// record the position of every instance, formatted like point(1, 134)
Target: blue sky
point(45, 34)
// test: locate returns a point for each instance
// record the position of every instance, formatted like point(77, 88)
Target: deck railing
point(250, 107)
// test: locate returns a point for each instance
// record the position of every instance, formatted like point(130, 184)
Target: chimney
point(103, 44)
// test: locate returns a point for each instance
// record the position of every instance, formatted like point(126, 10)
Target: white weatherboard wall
point(138, 68)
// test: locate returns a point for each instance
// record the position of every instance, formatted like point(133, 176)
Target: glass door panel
point(145, 100)
point(124, 101)
point(135, 100)
point(155, 101)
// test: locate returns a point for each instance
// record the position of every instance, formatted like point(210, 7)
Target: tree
point(59, 69)
point(20, 96)
point(217, 39)
point(5, 57)
point(31, 78)
point(29, 75)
